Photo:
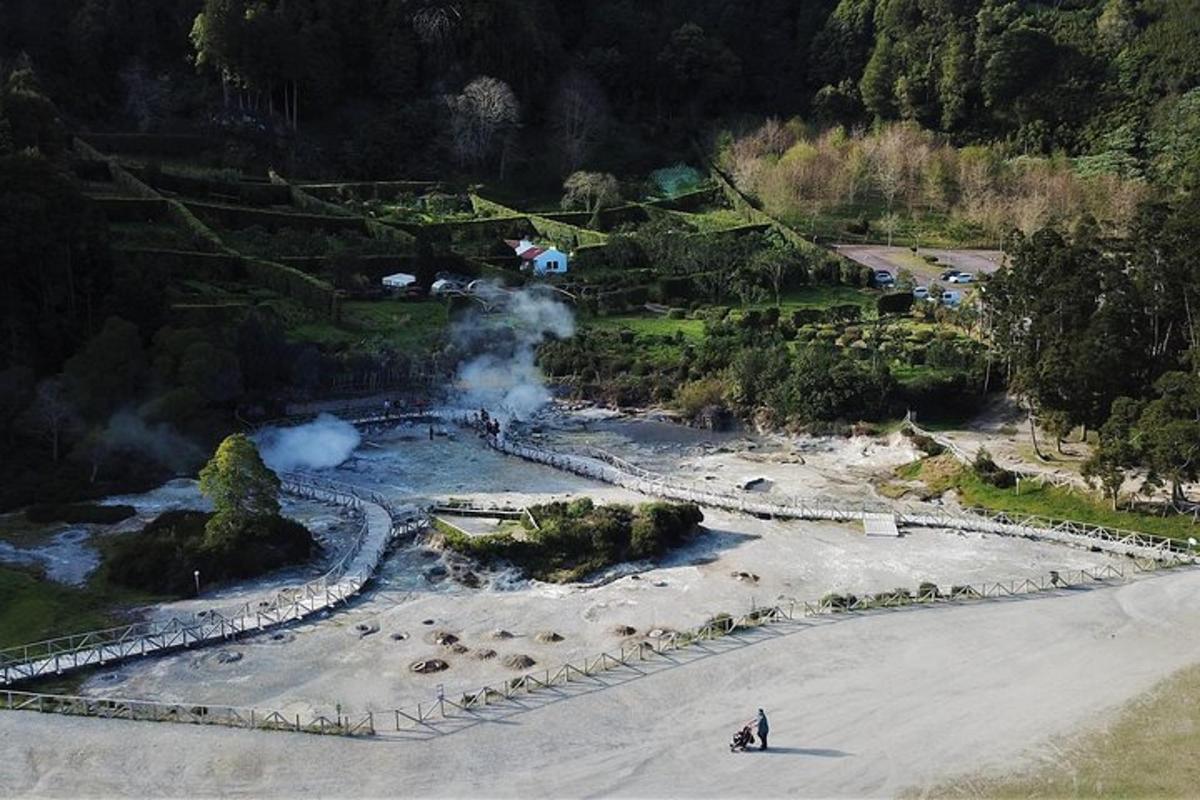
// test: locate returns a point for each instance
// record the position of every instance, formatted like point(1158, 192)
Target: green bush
point(576, 539)
point(992, 473)
point(162, 556)
point(677, 313)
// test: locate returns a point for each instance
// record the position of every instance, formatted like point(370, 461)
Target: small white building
point(401, 280)
point(541, 260)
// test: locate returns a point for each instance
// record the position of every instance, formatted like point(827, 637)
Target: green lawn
point(1048, 501)
point(649, 325)
point(1146, 750)
point(32, 609)
point(376, 325)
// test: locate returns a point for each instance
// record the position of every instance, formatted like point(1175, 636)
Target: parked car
point(950, 298)
point(961, 277)
point(920, 292)
point(884, 278)
point(949, 274)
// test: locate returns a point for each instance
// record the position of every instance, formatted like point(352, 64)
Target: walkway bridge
point(379, 526)
point(597, 464)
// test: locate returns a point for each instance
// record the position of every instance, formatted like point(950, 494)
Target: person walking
point(763, 728)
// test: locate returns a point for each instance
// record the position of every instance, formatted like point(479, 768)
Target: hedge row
point(130, 209)
point(564, 235)
point(307, 290)
point(752, 213)
point(365, 191)
point(203, 315)
point(690, 201)
point(237, 217)
point(201, 234)
point(184, 264)
point(305, 200)
point(253, 193)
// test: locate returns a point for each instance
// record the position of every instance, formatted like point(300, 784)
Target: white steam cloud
point(501, 376)
point(325, 442)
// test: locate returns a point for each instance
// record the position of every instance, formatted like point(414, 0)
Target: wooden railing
point(344, 579)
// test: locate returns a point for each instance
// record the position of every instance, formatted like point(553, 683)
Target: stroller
point(741, 740)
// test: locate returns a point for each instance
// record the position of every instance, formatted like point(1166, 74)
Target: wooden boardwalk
point(379, 526)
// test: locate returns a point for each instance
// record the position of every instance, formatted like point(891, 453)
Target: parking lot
point(881, 258)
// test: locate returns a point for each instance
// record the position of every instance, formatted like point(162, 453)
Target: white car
point(961, 277)
point(920, 293)
point(951, 299)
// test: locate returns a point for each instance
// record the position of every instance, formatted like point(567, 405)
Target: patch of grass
point(1062, 503)
point(1148, 751)
point(33, 608)
point(373, 326)
point(942, 473)
point(650, 325)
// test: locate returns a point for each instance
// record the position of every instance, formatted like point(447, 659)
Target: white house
point(399, 281)
point(541, 260)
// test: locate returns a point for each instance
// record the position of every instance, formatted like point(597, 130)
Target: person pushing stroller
point(744, 737)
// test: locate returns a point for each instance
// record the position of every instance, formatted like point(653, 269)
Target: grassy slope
point(1148, 751)
point(374, 326)
point(1049, 501)
point(32, 609)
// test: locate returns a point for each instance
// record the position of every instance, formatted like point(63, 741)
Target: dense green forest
point(156, 292)
point(609, 82)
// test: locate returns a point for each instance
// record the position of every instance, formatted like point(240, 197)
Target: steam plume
point(502, 376)
point(325, 442)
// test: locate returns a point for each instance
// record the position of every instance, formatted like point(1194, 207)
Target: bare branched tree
point(52, 414)
point(434, 22)
point(591, 191)
point(579, 119)
point(482, 118)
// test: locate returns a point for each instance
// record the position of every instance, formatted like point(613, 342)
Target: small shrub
point(928, 591)
point(677, 313)
point(990, 472)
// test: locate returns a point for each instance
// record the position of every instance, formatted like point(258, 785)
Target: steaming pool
point(360, 657)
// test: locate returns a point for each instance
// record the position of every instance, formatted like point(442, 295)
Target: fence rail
point(609, 469)
point(379, 526)
point(423, 717)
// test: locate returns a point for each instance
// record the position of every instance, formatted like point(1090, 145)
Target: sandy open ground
point(861, 706)
point(865, 706)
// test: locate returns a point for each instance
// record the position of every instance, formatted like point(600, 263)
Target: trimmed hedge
point(130, 209)
point(184, 264)
point(201, 315)
point(236, 217)
point(565, 236)
point(365, 191)
point(309, 291)
point(254, 193)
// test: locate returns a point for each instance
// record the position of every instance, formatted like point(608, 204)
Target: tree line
point(389, 86)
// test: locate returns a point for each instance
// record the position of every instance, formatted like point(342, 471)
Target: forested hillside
point(616, 80)
point(199, 198)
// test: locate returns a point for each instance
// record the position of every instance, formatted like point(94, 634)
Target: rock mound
point(428, 665)
point(485, 654)
point(549, 637)
point(624, 630)
point(518, 661)
point(500, 633)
